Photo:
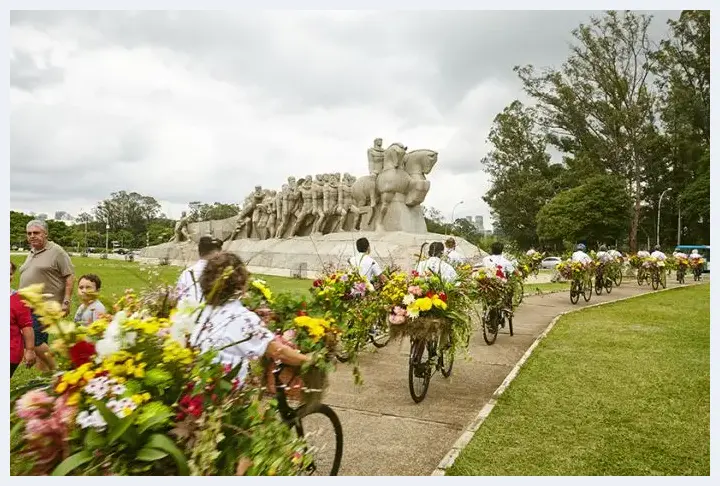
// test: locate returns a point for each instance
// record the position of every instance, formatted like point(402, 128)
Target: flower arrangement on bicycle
point(135, 398)
point(571, 270)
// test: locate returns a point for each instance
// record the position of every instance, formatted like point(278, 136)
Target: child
point(90, 308)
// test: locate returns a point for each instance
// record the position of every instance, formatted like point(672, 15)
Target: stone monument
point(315, 220)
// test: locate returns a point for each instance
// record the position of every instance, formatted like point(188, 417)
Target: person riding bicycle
point(453, 256)
point(603, 255)
point(643, 254)
point(658, 254)
point(366, 265)
point(695, 255)
point(580, 255)
point(435, 265)
point(496, 260)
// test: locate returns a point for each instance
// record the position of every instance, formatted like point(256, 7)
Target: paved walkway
point(386, 433)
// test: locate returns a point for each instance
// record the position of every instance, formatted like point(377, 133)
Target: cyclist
point(695, 255)
point(603, 255)
point(497, 260)
point(364, 263)
point(580, 255)
point(658, 254)
point(453, 255)
point(643, 254)
point(435, 265)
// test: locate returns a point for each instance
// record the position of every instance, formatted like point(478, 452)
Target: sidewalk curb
point(469, 431)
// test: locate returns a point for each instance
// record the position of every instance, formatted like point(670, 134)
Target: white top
point(643, 254)
point(531, 252)
point(455, 257)
point(236, 329)
point(365, 265)
point(494, 261)
point(87, 314)
point(603, 256)
point(581, 256)
point(446, 272)
point(188, 286)
point(658, 254)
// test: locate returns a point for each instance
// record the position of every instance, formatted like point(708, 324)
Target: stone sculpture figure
point(181, 229)
point(281, 211)
point(418, 163)
point(247, 213)
point(271, 210)
point(330, 202)
point(393, 182)
point(317, 202)
point(305, 187)
point(346, 204)
point(375, 155)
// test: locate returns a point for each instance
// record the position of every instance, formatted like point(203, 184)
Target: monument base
point(305, 256)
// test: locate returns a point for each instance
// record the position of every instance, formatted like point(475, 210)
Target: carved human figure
point(280, 211)
point(346, 203)
point(305, 187)
point(376, 155)
point(181, 233)
point(247, 213)
point(393, 182)
point(271, 211)
point(259, 216)
point(317, 202)
point(330, 201)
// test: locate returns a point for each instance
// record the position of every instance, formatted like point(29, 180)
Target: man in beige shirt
point(50, 265)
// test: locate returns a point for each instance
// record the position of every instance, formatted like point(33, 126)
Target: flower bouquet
point(135, 399)
point(696, 263)
point(652, 263)
point(636, 261)
point(571, 270)
point(490, 287)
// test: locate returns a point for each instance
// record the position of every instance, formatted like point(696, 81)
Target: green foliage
point(595, 212)
point(206, 212)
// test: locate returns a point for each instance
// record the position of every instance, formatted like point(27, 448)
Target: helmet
point(695, 252)
point(603, 248)
point(580, 247)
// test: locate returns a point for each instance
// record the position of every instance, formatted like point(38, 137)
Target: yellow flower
point(423, 304)
point(61, 387)
point(74, 399)
point(139, 399)
point(438, 302)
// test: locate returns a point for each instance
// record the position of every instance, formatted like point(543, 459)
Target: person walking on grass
point(22, 336)
point(50, 265)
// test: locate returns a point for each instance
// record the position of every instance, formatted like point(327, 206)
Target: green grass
point(544, 288)
point(622, 389)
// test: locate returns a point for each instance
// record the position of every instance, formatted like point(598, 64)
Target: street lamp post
point(657, 235)
point(107, 237)
point(452, 215)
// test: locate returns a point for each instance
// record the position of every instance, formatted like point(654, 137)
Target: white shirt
point(455, 257)
point(236, 329)
point(188, 286)
point(603, 256)
point(530, 252)
point(659, 255)
point(365, 265)
point(581, 256)
point(494, 261)
point(446, 272)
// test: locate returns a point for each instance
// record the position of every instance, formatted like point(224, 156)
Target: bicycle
point(697, 269)
point(602, 281)
point(615, 272)
point(301, 417)
point(493, 319)
point(680, 274)
point(420, 370)
point(581, 286)
point(658, 277)
point(643, 276)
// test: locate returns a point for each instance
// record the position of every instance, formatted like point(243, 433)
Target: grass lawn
point(544, 288)
point(622, 389)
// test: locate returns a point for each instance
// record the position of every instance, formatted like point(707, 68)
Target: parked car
point(550, 262)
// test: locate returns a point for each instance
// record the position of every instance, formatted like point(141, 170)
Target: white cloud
point(204, 105)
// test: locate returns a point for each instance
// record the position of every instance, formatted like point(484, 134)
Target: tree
point(131, 211)
point(18, 222)
point(523, 179)
point(599, 107)
point(434, 220)
point(595, 212)
point(206, 212)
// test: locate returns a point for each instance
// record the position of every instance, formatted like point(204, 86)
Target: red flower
point(499, 272)
point(301, 313)
point(81, 352)
point(414, 273)
point(317, 283)
point(303, 304)
point(443, 296)
point(192, 405)
point(430, 294)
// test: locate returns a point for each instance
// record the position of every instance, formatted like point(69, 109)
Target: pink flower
point(415, 290)
point(396, 319)
point(399, 311)
point(63, 412)
point(289, 335)
point(34, 404)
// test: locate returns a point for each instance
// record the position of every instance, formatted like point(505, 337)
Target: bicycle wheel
point(655, 280)
point(663, 279)
point(598, 285)
point(320, 426)
point(574, 292)
point(447, 359)
point(509, 319)
point(608, 285)
point(380, 333)
point(618, 277)
point(491, 325)
point(587, 288)
point(419, 370)
point(640, 276)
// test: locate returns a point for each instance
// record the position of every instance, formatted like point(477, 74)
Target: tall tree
point(523, 179)
point(130, 211)
point(599, 107)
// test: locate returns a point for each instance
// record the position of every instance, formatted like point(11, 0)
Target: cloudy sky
point(187, 106)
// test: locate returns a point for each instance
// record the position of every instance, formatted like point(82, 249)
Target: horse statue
point(418, 164)
point(393, 182)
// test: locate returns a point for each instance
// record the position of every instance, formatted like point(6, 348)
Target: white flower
point(105, 347)
point(93, 419)
point(413, 313)
point(408, 299)
point(118, 389)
